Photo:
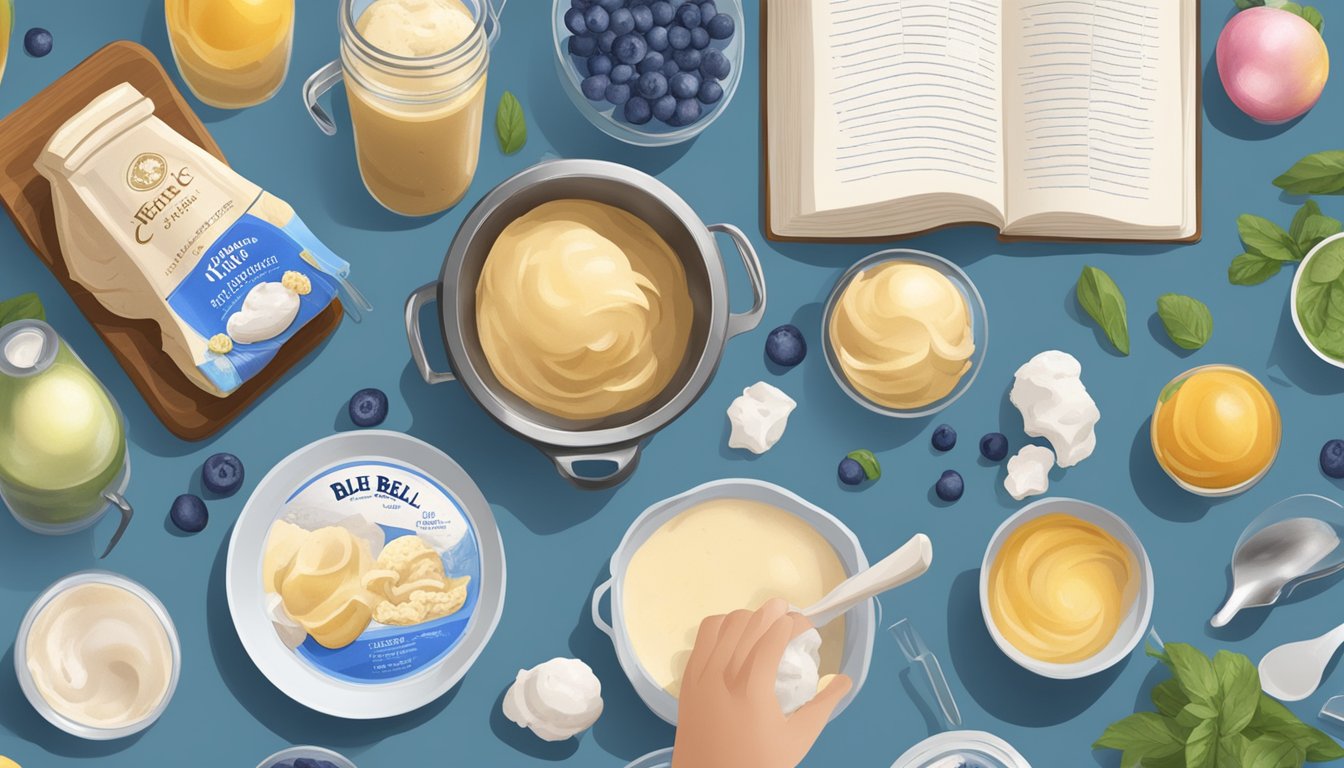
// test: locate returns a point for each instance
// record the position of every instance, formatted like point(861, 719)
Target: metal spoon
point(1272, 561)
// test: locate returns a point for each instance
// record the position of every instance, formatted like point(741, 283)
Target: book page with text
point(1094, 119)
point(907, 102)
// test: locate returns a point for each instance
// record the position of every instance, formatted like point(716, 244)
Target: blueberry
point(670, 68)
point(699, 38)
point(630, 48)
point(37, 42)
point(643, 18)
point(605, 41)
point(944, 437)
point(688, 15)
point(653, 62)
point(710, 92)
point(638, 111)
point(715, 64)
point(188, 513)
point(611, 5)
point(656, 38)
point(622, 74)
point(786, 346)
point(368, 407)
point(662, 13)
point(596, 19)
point(305, 762)
point(1332, 458)
point(688, 111)
point(582, 5)
point(595, 87)
point(574, 21)
point(720, 27)
point(664, 107)
point(850, 472)
point(582, 45)
point(994, 446)
point(707, 11)
point(678, 37)
point(622, 21)
point(617, 93)
point(688, 60)
point(288, 763)
point(684, 85)
point(599, 64)
point(652, 85)
point(950, 486)
point(222, 474)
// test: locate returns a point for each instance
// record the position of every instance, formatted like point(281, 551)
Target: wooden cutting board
point(186, 410)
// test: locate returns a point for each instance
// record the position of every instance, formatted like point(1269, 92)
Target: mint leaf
point(1313, 299)
point(1201, 747)
point(1194, 672)
point(510, 125)
point(871, 468)
point(1318, 174)
point(1315, 229)
point(1252, 269)
point(25, 306)
point(1169, 698)
point(1270, 751)
point(1239, 688)
point(1328, 263)
point(1187, 320)
point(1232, 750)
point(1099, 296)
point(1262, 236)
point(1308, 209)
point(1142, 737)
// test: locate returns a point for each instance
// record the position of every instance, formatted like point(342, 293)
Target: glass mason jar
point(417, 119)
point(231, 53)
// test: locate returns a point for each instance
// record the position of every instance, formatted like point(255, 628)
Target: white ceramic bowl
point(316, 753)
point(1292, 301)
point(860, 621)
point(1135, 622)
point(72, 727)
point(660, 759)
point(985, 749)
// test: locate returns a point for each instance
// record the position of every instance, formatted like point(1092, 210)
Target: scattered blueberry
point(944, 437)
point(684, 85)
point(582, 45)
point(368, 407)
point(222, 473)
point(662, 13)
point(688, 111)
point(622, 74)
point(950, 486)
point(652, 85)
point(599, 64)
point(643, 18)
point(786, 346)
point(688, 60)
point(710, 92)
point(699, 38)
point(638, 110)
point(1332, 458)
point(994, 446)
point(851, 472)
point(605, 41)
point(622, 21)
point(37, 42)
point(574, 21)
point(630, 48)
point(656, 38)
point(688, 15)
point(188, 513)
point(720, 27)
point(715, 64)
point(653, 62)
point(595, 87)
point(678, 37)
point(597, 19)
point(664, 107)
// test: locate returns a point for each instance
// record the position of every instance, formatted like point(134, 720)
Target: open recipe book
point(1071, 119)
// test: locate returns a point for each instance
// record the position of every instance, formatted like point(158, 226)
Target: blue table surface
point(558, 538)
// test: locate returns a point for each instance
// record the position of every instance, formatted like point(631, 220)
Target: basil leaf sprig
point(1268, 246)
point(1321, 173)
point(510, 125)
point(1187, 320)
point(1211, 713)
point(25, 306)
point(1307, 12)
point(1101, 298)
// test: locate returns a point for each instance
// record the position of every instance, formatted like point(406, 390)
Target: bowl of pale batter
point(584, 305)
point(724, 546)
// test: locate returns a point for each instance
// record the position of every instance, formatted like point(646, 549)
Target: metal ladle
point(1291, 543)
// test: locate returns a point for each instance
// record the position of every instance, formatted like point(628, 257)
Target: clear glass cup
point(231, 53)
point(417, 120)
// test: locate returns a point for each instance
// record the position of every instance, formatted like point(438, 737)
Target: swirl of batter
point(1218, 429)
point(582, 310)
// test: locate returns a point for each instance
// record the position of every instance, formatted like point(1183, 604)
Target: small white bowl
point(1131, 629)
point(1292, 301)
point(316, 753)
point(74, 727)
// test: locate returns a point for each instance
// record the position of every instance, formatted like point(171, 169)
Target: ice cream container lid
point(962, 749)
point(365, 574)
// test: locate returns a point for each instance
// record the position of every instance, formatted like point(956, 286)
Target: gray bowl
point(614, 442)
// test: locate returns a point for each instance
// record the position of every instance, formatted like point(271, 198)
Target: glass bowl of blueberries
point(306, 757)
point(649, 72)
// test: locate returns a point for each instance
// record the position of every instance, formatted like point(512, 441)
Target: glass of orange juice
point(231, 53)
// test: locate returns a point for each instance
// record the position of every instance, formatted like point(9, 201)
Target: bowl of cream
point(97, 656)
point(904, 333)
point(1066, 589)
point(724, 546)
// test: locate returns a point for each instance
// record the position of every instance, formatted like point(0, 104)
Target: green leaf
point(1239, 686)
point(1308, 209)
point(1316, 229)
point(871, 469)
point(1313, 17)
point(1099, 296)
point(1252, 269)
point(1328, 263)
point(1273, 717)
point(1187, 320)
point(25, 306)
point(1318, 174)
point(1141, 737)
point(1313, 299)
point(1262, 236)
point(1194, 672)
point(1232, 750)
point(510, 124)
point(1192, 715)
point(1201, 747)
point(1270, 751)
point(1169, 698)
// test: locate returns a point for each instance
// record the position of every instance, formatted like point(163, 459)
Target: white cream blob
point(1029, 472)
point(556, 700)
point(759, 417)
point(267, 311)
point(796, 682)
point(1048, 390)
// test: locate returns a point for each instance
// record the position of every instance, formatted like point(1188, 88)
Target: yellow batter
point(233, 53)
point(1217, 429)
point(718, 557)
point(902, 334)
point(1059, 588)
point(583, 310)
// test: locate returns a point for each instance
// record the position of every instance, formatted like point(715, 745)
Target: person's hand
point(729, 716)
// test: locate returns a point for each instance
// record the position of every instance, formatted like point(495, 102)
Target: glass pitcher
point(63, 457)
point(231, 53)
point(417, 119)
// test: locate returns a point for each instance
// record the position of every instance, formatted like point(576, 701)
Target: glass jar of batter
point(415, 74)
point(231, 53)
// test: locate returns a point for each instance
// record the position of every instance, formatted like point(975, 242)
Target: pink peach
point(1273, 63)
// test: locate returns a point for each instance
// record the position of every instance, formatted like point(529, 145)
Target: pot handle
point(624, 459)
point(739, 323)
point(315, 87)
point(598, 621)
point(417, 300)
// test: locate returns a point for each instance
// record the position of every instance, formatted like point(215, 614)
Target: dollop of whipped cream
point(1048, 390)
point(902, 334)
point(759, 417)
point(1029, 472)
point(267, 311)
point(582, 310)
point(799, 675)
point(556, 700)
